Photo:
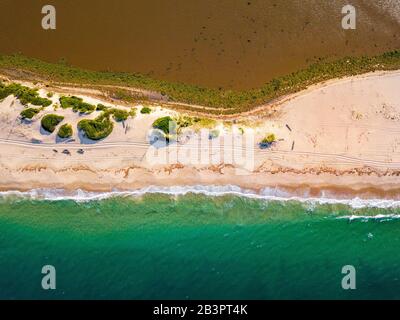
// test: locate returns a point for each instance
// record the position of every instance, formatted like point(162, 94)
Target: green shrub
point(96, 129)
point(76, 104)
point(50, 94)
point(269, 139)
point(65, 131)
point(24, 94)
point(101, 107)
point(3, 91)
point(49, 122)
point(120, 115)
point(145, 110)
point(164, 124)
point(185, 121)
point(29, 113)
point(132, 112)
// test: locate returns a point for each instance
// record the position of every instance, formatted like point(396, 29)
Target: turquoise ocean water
point(195, 246)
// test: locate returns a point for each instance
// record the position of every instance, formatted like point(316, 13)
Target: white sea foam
point(381, 217)
point(269, 194)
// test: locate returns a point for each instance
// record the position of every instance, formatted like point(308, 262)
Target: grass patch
point(205, 123)
point(77, 104)
point(225, 101)
point(65, 131)
point(29, 113)
point(127, 95)
point(50, 122)
point(181, 122)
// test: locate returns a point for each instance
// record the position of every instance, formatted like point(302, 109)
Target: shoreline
point(218, 102)
point(267, 195)
point(345, 187)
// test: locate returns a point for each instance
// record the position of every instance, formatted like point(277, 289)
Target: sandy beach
point(339, 138)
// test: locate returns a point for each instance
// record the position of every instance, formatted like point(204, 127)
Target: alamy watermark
point(204, 148)
point(349, 280)
point(349, 21)
point(49, 20)
point(49, 280)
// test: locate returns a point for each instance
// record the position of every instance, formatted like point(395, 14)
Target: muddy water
point(226, 43)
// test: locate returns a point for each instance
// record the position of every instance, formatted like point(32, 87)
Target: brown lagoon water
point(227, 43)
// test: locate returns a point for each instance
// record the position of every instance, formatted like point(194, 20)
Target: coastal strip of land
point(340, 138)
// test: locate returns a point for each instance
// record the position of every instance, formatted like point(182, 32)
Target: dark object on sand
point(81, 151)
point(287, 126)
point(54, 150)
point(66, 152)
point(36, 141)
point(292, 145)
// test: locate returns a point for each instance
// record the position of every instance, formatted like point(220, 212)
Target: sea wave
point(268, 194)
point(380, 217)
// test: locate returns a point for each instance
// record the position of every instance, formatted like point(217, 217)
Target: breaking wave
point(268, 194)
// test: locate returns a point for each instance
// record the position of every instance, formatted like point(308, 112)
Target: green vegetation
point(197, 123)
point(165, 124)
point(119, 115)
point(24, 94)
point(132, 112)
point(49, 122)
point(268, 140)
point(101, 107)
point(205, 123)
point(145, 110)
point(101, 127)
point(127, 95)
point(184, 122)
point(49, 94)
point(96, 129)
point(65, 131)
point(76, 104)
point(29, 113)
point(221, 101)
point(170, 126)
